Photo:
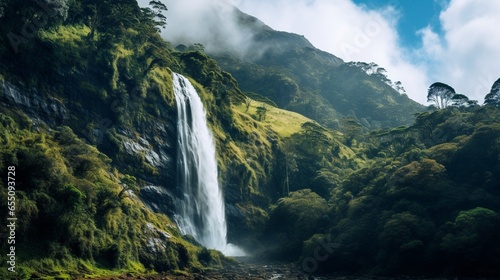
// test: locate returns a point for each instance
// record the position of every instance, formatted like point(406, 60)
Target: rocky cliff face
point(152, 142)
point(146, 151)
point(144, 145)
point(42, 110)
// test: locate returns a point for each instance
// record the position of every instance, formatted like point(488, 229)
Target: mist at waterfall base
point(201, 212)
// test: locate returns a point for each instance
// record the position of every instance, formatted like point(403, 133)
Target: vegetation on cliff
point(360, 185)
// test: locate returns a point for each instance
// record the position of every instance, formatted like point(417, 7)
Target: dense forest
point(333, 170)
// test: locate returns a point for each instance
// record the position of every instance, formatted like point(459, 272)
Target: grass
point(66, 35)
point(283, 122)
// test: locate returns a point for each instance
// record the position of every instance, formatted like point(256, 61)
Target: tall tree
point(159, 19)
point(493, 98)
point(351, 129)
point(107, 16)
point(460, 100)
point(21, 20)
point(441, 94)
point(262, 112)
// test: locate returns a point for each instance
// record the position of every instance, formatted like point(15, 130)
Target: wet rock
point(41, 109)
point(158, 199)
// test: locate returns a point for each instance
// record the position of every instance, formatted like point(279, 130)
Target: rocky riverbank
point(248, 269)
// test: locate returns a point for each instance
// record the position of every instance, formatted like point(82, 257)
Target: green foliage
point(403, 200)
point(441, 94)
point(407, 198)
point(261, 113)
point(295, 218)
point(318, 85)
point(260, 98)
point(156, 13)
point(68, 194)
point(398, 213)
point(469, 239)
point(351, 128)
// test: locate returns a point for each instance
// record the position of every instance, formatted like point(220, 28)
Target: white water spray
point(201, 213)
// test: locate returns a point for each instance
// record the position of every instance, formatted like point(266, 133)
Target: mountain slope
point(289, 70)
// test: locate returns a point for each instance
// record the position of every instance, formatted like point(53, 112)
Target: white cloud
point(431, 44)
point(211, 22)
point(469, 47)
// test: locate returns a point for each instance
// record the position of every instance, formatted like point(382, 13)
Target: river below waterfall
point(251, 269)
point(260, 271)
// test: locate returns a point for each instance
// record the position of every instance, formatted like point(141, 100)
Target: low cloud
point(210, 22)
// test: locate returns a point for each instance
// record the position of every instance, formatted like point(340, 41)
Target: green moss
point(158, 84)
point(71, 36)
point(120, 54)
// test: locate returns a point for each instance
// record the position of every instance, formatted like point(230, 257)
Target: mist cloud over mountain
point(213, 23)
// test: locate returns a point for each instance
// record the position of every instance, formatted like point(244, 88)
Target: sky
point(413, 16)
point(418, 42)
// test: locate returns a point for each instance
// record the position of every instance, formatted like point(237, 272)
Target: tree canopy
point(440, 94)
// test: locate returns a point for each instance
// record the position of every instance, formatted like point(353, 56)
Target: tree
point(441, 94)
point(314, 133)
point(20, 20)
point(471, 243)
point(248, 102)
point(155, 14)
point(459, 100)
point(289, 153)
point(181, 48)
point(108, 16)
point(295, 218)
point(493, 98)
point(261, 112)
point(197, 47)
point(351, 129)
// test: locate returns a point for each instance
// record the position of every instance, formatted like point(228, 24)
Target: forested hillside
point(297, 76)
point(425, 203)
point(365, 181)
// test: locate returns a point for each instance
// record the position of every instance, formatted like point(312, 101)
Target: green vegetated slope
point(88, 122)
point(425, 203)
point(88, 119)
point(75, 218)
point(289, 70)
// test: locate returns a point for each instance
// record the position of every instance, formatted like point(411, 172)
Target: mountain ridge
point(289, 70)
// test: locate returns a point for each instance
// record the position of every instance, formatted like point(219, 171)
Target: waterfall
point(201, 212)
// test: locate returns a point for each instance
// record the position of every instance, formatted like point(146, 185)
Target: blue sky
point(414, 16)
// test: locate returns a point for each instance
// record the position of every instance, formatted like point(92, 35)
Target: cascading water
point(201, 212)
